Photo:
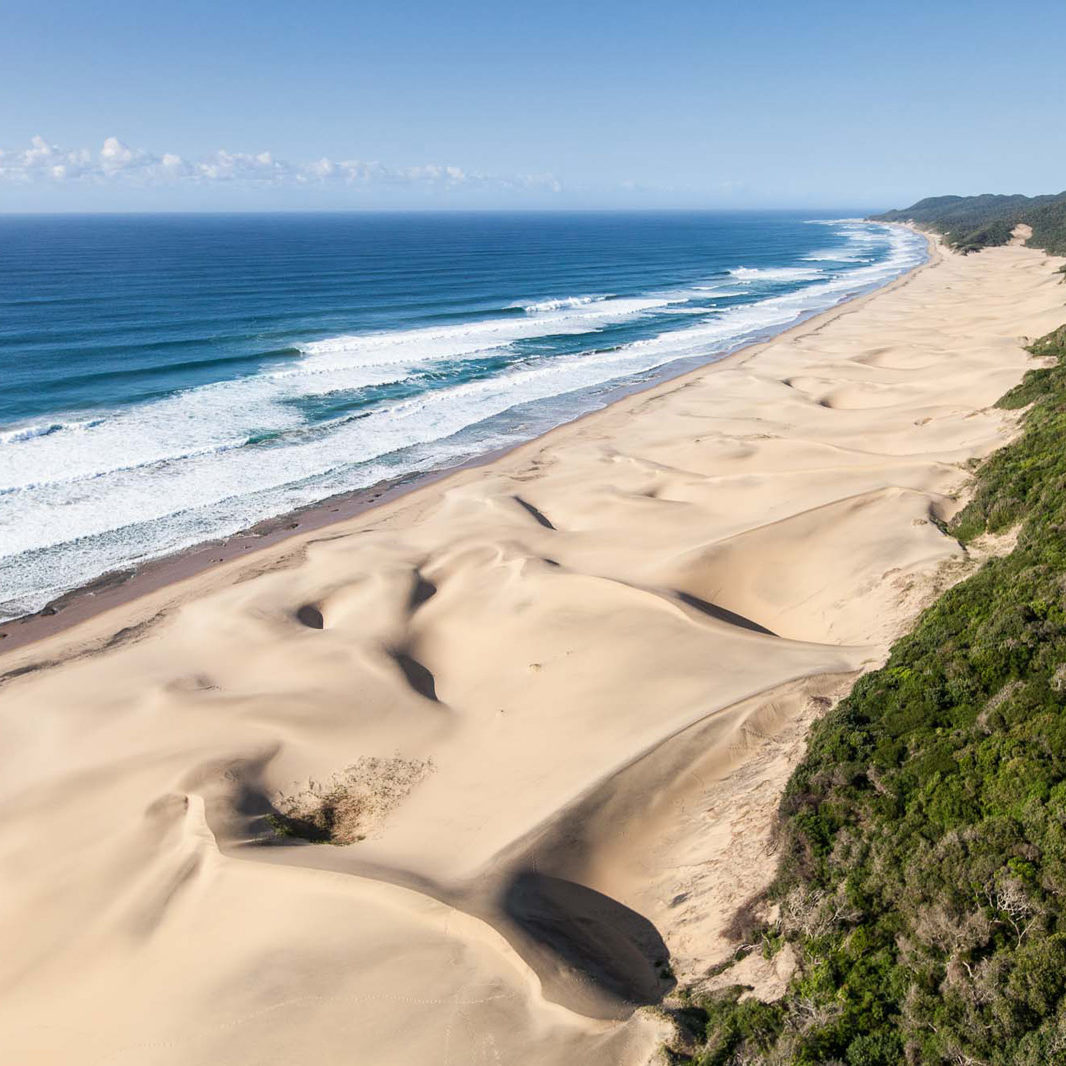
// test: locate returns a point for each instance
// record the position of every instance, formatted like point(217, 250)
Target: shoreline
point(117, 588)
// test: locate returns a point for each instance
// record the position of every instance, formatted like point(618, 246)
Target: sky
point(228, 105)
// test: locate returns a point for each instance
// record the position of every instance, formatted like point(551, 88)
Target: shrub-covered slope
point(923, 874)
point(970, 223)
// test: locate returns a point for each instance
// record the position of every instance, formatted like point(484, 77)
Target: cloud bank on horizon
point(45, 163)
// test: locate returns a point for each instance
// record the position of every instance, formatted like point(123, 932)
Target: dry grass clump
point(352, 804)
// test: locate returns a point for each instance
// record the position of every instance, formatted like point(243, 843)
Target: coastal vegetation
point(970, 223)
point(922, 883)
point(346, 808)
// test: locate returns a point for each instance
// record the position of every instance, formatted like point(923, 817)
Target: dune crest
point(473, 777)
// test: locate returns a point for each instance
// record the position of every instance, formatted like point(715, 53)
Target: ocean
point(166, 380)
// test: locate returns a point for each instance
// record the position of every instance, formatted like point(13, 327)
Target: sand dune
point(543, 707)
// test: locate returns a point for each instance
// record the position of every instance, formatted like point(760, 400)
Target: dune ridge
point(545, 707)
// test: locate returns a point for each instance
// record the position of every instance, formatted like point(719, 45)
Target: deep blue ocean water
point(169, 379)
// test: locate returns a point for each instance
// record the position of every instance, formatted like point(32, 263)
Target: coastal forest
point(970, 223)
point(922, 880)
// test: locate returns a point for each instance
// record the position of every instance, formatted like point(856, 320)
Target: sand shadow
point(537, 515)
point(309, 615)
point(417, 676)
point(722, 615)
point(609, 945)
point(421, 591)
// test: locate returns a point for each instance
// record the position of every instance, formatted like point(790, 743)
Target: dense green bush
point(923, 874)
point(1049, 227)
point(970, 223)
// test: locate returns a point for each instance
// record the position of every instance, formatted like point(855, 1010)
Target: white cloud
point(115, 161)
point(116, 157)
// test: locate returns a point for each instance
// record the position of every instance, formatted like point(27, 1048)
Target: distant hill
point(970, 223)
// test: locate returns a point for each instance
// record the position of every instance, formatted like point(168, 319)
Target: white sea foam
point(29, 430)
point(840, 255)
point(81, 496)
point(723, 289)
point(750, 274)
point(562, 304)
point(218, 417)
point(861, 239)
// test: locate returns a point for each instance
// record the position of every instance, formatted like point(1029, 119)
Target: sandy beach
point(537, 715)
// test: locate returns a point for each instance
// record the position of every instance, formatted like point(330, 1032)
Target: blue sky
point(116, 105)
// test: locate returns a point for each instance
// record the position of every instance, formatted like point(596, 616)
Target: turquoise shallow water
point(170, 379)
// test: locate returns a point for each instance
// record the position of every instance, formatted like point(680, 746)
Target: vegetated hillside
point(970, 223)
point(923, 837)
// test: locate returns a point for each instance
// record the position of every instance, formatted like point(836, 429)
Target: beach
point(480, 774)
point(186, 399)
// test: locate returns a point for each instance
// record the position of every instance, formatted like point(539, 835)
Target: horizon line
point(432, 211)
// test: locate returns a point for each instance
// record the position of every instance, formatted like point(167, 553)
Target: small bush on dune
point(352, 804)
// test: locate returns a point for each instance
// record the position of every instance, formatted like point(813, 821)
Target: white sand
point(611, 729)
